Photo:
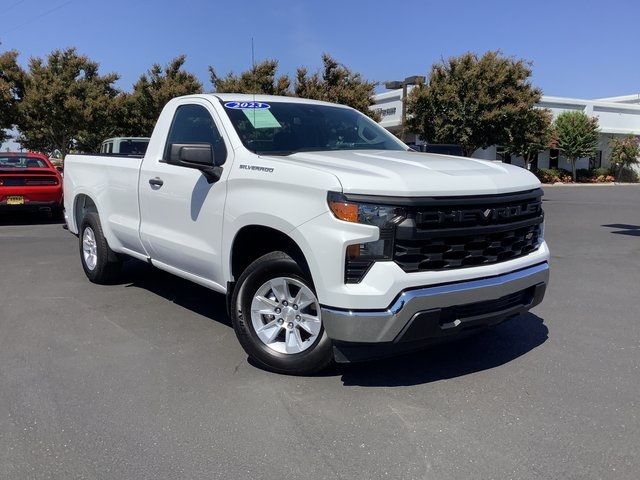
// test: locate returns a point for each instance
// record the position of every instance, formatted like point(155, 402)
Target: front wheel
point(277, 317)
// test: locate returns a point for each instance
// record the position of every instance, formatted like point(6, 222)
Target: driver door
point(181, 211)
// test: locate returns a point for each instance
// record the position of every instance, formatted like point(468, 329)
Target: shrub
point(553, 175)
point(624, 155)
point(601, 172)
point(595, 175)
point(627, 174)
point(603, 179)
point(584, 175)
point(546, 175)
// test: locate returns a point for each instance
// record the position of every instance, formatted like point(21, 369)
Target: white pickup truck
point(331, 239)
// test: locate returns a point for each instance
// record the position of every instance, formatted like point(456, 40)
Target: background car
point(29, 182)
point(125, 145)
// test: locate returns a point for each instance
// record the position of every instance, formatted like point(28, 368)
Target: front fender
point(282, 198)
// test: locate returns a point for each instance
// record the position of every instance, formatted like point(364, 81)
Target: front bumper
point(421, 315)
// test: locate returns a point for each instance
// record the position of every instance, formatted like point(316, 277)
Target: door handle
point(156, 182)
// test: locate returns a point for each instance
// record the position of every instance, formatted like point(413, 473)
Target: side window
point(110, 147)
point(193, 124)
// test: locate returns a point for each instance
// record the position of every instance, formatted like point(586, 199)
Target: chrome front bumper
point(442, 310)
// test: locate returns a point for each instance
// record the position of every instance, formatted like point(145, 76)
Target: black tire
point(272, 265)
point(108, 264)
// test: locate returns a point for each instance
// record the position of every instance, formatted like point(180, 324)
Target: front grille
point(463, 232)
point(445, 321)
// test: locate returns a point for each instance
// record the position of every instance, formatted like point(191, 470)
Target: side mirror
point(199, 156)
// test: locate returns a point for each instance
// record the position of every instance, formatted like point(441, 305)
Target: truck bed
point(113, 180)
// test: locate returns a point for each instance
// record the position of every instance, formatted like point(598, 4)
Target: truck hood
point(400, 173)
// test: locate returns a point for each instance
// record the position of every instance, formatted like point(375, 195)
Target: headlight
point(360, 256)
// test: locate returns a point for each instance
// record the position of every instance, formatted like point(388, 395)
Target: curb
point(608, 184)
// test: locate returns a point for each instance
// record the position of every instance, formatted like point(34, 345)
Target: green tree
point(262, 78)
point(65, 104)
point(336, 83)
point(141, 108)
point(11, 91)
point(624, 154)
point(576, 136)
point(529, 134)
point(473, 101)
point(333, 83)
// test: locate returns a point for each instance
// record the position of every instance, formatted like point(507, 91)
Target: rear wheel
point(100, 263)
point(277, 317)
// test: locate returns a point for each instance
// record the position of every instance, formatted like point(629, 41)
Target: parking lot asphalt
point(145, 379)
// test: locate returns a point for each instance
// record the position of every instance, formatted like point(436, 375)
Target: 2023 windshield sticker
point(246, 105)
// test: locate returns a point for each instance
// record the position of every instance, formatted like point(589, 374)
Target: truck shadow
point(624, 229)
point(482, 351)
point(182, 292)
point(29, 218)
point(485, 350)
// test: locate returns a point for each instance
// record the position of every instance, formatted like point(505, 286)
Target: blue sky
point(578, 48)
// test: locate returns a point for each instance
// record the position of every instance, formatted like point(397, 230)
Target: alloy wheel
point(285, 315)
point(89, 248)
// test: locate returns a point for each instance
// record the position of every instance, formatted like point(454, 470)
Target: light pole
point(396, 84)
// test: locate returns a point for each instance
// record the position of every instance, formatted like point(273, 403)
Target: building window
point(596, 161)
point(554, 153)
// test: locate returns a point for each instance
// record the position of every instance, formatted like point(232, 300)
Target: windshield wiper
point(275, 153)
point(284, 153)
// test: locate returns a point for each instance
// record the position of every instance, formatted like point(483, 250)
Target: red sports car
point(28, 181)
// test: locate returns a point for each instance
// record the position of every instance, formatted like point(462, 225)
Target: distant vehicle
point(125, 145)
point(441, 148)
point(29, 181)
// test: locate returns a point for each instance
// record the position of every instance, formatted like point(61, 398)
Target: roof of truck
point(248, 97)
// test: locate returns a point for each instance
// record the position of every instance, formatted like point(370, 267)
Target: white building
point(617, 116)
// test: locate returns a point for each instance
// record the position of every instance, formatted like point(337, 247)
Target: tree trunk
point(528, 160)
point(573, 169)
point(63, 147)
point(467, 150)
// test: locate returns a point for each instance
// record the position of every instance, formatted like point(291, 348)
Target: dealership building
point(617, 117)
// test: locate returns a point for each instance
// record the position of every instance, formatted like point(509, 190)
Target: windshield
point(282, 128)
point(22, 162)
